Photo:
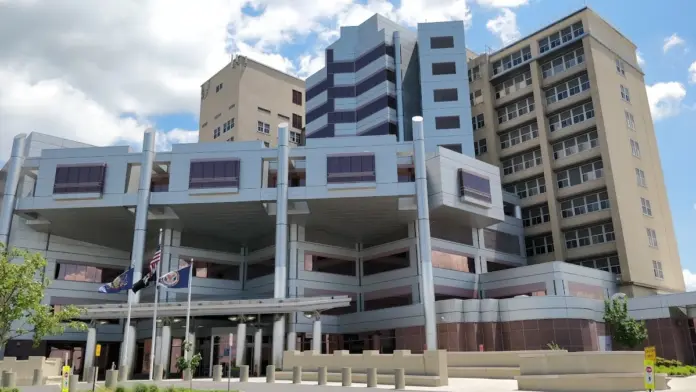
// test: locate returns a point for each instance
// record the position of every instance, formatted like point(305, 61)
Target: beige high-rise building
point(246, 100)
point(565, 114)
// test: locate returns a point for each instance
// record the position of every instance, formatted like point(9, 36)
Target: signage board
point(649, 375)
point(97, 351)
point(65, 381)
point(650, 353)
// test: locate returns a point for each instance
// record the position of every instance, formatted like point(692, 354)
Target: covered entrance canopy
point(216, 308)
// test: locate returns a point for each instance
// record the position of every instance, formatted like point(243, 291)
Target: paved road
point(259, 385)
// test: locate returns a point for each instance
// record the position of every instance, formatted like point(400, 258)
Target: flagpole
point(126, 336)
point(188, 312)
point(153, 343)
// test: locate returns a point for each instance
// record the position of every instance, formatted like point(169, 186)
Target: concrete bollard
point(38, 377)
point(346, 377)
point(371, 377)
point(74, 381)
point(297, 375)
point(187, 374)
point(400, 379)
point(321, 379)
point(9, 379)
point(217, 373)
point(123, 376)
point(111, 379)
point(244, 373)
point(270, 374)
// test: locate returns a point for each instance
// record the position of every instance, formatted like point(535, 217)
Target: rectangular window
point(528, 188)
point(218, 88)
point(295, 137)
point(480, 147)
point(587, 236)
point(571, 117)
point(630, 121)
point(445, 95)
point(452, 147)
point(214, 174)
point(521, 162)
point(474, 186)
point(449, 68)
point(519, 135)
point(604, 263)
point(513, 85)
point(567, 89)
point(580, 174)
point(575, 145)
point(296, 121)
point(645, 204)
point(585, 204)
point(501, 242)
point(263, 127)
point(263, 110)
point(536, 215)
point(474, 73)
point(516, 109)
point(228, 125)
point(635, 148)
point(640, 178)
point(625, 94)
point(539, 245)
point(563, 63)
point(216, 132)
point(296, 97)
point(447, 122)
point(657, 269)
point(478, 122)
point(79, 179)
point(350, 169)
point(620, 67)
point(442, 42)
point(85, 273)
point(476, 97)
point(512, 60)
point(652, 237)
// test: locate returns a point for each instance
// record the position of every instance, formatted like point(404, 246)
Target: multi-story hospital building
point(429, 198)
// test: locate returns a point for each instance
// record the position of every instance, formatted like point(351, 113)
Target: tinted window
point(341, 92)
point(474, 186)
point(441, 42)
point(453, 147)
point(319, 111)
point(79, 179)
point(444, 68)
point(341, 117)
point(350, 168)
point(343, 67)
point(445, 95)
point(375, 106)
point(296, 97)
point(447, 122)
point(296, 121)
point(214, 174)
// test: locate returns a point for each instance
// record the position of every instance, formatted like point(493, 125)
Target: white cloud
point(689, 280)
point(692, 72)
point(665, 99)
point(502, 3)
point(672, 41)
point(641, 60)
point(504, 26)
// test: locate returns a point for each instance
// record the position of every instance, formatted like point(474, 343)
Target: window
point(476, 97)
point(266, 144)
point(452, 262)
point(657, 269)
point(575, 145)
point(447, 122)
point(474, 73)
point(645, 204)
point(296, 121)
point(216, 132)
point(442, 42)
point(263, 110)
point(527, 188)
point(329, 265)
point(640, 178)
point(620, 67)
point(283, 117)
point(635, 148)
point(85, 273)
point(231, 139)
point(624, 94)
point(217, 116)
point(605, 263)
point(228, 125)
point(563, 63)
point(205, 124)
point(406, 173)
point(444, 68)
point(350, 169)
point(263, 127)
point(295, 137)
point(519, 135)
point(452, 147)
point(535, 215)
point(560, 37)
point(218, 88)
point(79, 179)
point(585, 204)
point(514, 110)
point(652, 237)
point(474, 186)
point(567, 89)
point(587, 236)
point(501, 242)
point(445, 95)
point(480, 147)
point(580, 174)
point(214, 174)
point(513, 84)
point(571, 117)
point(539, 245)
point(478, 122)
point(512, 60)
point(630, 122)
point(296, 97)
point(521, 162)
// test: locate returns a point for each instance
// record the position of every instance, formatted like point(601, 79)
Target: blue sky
point(105, 71)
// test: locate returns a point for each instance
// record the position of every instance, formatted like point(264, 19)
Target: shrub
point(554, 346)
point(120, 389)
point(170, 389)
point(152, 388)
point(140, 388)
point(625, 330)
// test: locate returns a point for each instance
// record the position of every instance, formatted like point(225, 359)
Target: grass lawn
point(155, 388)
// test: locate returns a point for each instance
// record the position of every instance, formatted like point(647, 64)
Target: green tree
point(625, 330)
point(22, 285)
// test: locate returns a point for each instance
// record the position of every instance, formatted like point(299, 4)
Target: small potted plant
point(187, 366)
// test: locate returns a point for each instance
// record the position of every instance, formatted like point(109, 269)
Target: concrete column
point(396, 38)
point(165, 347)
point(316, 335)
point(90, 348)
point(281, 242)
point(241, 344)
point(518, 212)
point(258, 340)
point(9, 194)
point(292, 335)
point(212, 355)
point(424, 245)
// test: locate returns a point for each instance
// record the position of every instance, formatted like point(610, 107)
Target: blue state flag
point(176, 279)
point(122, 282)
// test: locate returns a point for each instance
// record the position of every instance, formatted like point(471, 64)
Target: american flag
point(155, 260)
